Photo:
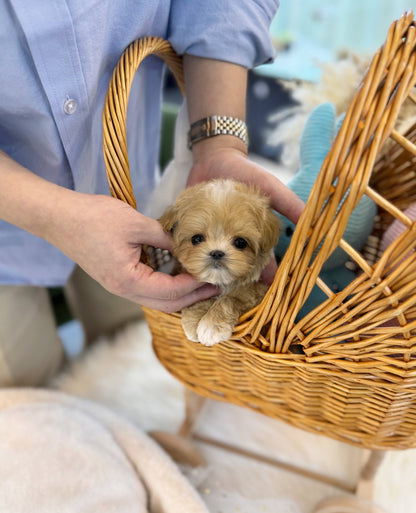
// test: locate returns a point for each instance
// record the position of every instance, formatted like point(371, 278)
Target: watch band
point(217, 125)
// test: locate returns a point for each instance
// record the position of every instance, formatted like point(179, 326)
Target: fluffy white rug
point(123, 374)
point(61, 453)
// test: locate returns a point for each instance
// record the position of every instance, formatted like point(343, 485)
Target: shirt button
point(70, 106)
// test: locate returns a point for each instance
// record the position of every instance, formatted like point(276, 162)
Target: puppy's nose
point(216, 254)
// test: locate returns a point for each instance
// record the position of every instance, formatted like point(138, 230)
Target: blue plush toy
point(316, 141)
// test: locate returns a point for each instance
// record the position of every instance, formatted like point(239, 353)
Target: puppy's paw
point(191, 334)
point(191, 317)
point(210, 334)
point(190, 329)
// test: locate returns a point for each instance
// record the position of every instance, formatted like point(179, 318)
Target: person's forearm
point(28, 201)
point(220, 88)
point(215, 88)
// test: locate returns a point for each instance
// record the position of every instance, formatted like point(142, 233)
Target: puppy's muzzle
point(217, 254)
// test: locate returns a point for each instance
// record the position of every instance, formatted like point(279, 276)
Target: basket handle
point(115, 110)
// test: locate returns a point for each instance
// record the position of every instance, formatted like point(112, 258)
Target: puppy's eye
point(240, 243)
point(197, 239)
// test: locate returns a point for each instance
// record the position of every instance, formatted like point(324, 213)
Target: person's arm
point(219, 88)
point(101, 234)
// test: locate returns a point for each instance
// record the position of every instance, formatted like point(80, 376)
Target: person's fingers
point(234, 165)
point(156, 289)
point(286, 202)
point(164, 286)
point(206, 291)
point(282, 199)
point(155, 236)
point(269, 271)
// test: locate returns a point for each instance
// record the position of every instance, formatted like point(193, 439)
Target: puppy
point(223, 233)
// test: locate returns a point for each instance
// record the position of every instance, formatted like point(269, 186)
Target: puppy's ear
point(270, 231)
point(168, 219)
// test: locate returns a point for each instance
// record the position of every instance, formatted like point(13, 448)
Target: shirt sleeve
point(234, 31)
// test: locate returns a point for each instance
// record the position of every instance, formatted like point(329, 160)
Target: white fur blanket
point(122, 373)
point(63, 454)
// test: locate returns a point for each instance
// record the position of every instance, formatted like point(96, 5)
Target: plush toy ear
point(317, 136)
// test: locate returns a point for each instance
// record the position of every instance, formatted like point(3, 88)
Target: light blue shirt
point(56, 61)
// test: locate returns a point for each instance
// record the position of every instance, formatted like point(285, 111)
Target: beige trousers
point(31, 351)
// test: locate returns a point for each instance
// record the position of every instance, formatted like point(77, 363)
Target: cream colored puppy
point(223, 233)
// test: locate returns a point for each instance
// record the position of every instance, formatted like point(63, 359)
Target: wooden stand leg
point(361, 503)
point(347, 505)
point(365, 486)
point(193, 407)
point(180, 446)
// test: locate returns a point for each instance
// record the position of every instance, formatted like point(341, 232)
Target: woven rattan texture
point(355, 376)
point(115, 110)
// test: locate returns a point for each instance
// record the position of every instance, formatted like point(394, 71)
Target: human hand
point(105, 236)
point(101, 234)
point(225, 156)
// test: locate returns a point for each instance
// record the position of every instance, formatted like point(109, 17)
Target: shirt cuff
point(239, 34)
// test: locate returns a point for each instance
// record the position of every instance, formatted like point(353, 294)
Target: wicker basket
point(356, 378)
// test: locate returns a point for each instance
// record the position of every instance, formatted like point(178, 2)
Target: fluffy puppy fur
point(223, 233)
